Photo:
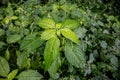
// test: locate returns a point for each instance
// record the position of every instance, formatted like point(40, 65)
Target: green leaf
point(54, 66)
point(114, 61)
point(22, 60)
point(30, 43)
point(4, 67)
point(13, 38)
point(47, 34)
point(2, 44)
point(12, 74)
point(29, 75)
point(1, 32)
point(67, 33)
point(71, 24)
point(75, 55)
point(46, 23)
point(7, 54)
point(51, 51)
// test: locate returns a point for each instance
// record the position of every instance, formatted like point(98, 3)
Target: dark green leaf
point(75, 55)
point(30, 43)
point(29, 75)
point(4, 67)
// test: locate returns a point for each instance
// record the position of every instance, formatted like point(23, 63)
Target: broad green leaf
point(67, 33)
point(2, 44)
point(46, 23)
point(30, 43)
point(12, 74)
point(51, 51)
point(114, 61)
point(22, 60)
point(1, 32)
point(4, 67)
point(47, 34)
point(29, 75)
point(75, 55)
point(14, 18)
point(54, 66)
point(71, 24)
point(13, 38)
point(80, 32)
point(7, 54)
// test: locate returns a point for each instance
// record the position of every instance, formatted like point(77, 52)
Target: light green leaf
point(47, 34)
point(29, 75)
point(51, 51)
point(46, 23)
point(12, 74)
point(7, 54)
point(30, 43)
point(54, 66)
point(75, 55)
point(71, 24)
point(22, 60)
point(13, 38)
point(4, 67)
point(67, 33)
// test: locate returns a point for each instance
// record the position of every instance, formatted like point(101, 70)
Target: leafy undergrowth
point(61, 40)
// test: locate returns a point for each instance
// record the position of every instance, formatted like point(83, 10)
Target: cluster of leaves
point(59, 40)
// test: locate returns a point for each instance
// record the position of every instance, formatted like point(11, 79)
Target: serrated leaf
point(75, 55)
point(4, 67)
point(67, 33)
point(29, 75)
point(47, 34)
point(12, 74)
point(22, 60)
point(46, 23)
point(30, 43)
point(13, 38)
point(71, 24)
point(54, 66)
point(51, 51)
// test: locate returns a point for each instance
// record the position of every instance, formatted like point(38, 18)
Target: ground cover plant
point(59, 40)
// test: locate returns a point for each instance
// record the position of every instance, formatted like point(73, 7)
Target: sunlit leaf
point(46, 23)
point(2, 44)
point(67, 33)
point(12, 74)
point(47, 34)
point(71, 24)
point(4, 67)
point(29, 75)
point(51, 51)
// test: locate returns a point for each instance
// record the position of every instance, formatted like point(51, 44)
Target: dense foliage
point(59, 40)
